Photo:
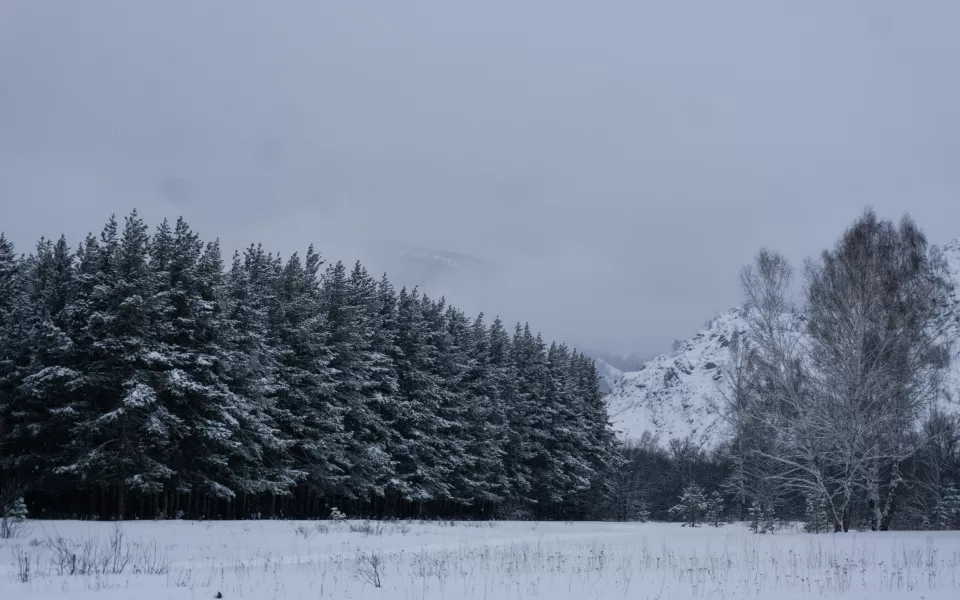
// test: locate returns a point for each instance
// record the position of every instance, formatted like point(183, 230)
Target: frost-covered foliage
point(693, 505)
point(141, 376)
point(716, 510)
point(762, 517)
point(826, 406)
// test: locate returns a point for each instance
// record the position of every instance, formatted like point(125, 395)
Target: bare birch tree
point(837, 395)
point(878, 349)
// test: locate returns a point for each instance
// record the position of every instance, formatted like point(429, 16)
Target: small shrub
point(368, 568)
point(13, 516)
point(90, 556)
point(23, 566)
point(302, 531)
point(367, 528)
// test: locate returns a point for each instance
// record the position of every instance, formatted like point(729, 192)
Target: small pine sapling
point(715, 509)
point(693, 504)
point(816, 519)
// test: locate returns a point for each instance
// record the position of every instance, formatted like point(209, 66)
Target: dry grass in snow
point(453, 561)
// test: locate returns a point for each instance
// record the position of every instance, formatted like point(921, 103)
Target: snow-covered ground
point(452, 561)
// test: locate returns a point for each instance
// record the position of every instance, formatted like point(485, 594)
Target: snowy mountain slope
point(677, 395)
point(609, 374)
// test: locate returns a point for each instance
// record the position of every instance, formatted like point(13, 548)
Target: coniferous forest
point(143, 374)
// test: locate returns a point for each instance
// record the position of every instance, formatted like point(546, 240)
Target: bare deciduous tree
point(833, 398)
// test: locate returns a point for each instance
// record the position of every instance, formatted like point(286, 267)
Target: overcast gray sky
point(619, 161)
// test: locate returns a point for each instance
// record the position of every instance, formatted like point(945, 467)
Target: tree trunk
point(888, 509)
point(121, 500)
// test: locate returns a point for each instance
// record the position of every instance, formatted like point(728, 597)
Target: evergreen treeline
point(140, 377)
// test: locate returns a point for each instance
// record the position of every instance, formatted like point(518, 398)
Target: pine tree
point(373, 383)
point(532, 466)
point(948, 510)
point(119, 442)
point(305, 393)
point(41, 404)
point(599, 444)
point(503, 382)
point(715, 509)
point(262, 465)
point(816, 518)
point(136, 372)
point(455, 359)
point(215, 427)
point(13, 515)
point(10, 348)
point(693, 505)
point(760, 517)
point(346, 302)
point(485, 418)
point(420, 463)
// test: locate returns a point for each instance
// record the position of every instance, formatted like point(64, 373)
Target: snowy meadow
point(460, 560)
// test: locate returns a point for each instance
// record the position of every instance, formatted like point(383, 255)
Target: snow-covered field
point(559, 561)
